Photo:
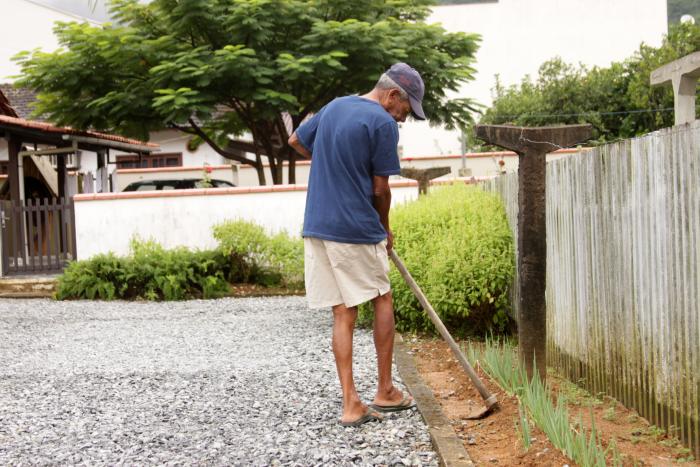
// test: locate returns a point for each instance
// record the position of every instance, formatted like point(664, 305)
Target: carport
point(36, 214)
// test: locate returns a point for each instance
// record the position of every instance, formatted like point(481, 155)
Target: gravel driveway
point(232, 381)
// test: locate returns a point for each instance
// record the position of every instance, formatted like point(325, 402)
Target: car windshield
point(151, 185)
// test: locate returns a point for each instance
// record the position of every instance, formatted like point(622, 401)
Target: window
point(153, 161)
point(4, 167)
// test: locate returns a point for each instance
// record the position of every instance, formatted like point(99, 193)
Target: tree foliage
point(678, 8)
point(617, 100)
point(216, 68)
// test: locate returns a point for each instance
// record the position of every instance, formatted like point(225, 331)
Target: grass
point(499, 360)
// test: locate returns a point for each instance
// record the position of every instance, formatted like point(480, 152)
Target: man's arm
point(294, 142)
point(381, 199)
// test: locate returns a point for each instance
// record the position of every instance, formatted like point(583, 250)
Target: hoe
point(489, 399)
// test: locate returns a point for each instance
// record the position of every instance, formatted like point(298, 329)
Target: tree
point(216, 68)
point(617, 100)
point(678, 8)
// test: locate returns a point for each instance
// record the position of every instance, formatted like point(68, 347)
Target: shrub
point(275, 260)
point(149, 272)
point(458, 247)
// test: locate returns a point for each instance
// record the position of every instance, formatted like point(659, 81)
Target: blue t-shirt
point(351, 139)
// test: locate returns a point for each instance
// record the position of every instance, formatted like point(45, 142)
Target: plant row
point(537, 405)
point(245, 254)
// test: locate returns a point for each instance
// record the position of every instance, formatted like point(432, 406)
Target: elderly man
point(353, 144)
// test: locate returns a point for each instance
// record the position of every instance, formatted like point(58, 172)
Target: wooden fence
point(37, 235)
point(623, 273)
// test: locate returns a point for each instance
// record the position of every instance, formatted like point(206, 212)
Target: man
point(353, 142)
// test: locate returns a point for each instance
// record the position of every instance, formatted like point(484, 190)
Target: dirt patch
point(495, 440)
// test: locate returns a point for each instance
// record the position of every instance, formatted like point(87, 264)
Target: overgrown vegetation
point(150, 272)
point(458, 247)
point(498, 359)
point(618, 100)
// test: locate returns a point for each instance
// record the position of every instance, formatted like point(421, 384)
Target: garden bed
point(495, 440)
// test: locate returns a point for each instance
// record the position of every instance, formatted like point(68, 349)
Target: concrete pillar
point(683, 75)
point(532, 146)
point(423, 176)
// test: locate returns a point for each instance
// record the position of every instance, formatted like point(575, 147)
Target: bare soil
point(495, 440)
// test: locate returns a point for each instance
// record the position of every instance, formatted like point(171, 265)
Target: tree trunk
point(260, 169)
point(292, 167)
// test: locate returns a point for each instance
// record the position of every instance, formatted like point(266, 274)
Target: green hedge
point(458, 247)
point(150, 272)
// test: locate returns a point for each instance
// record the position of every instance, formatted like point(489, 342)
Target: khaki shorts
point(344, 273)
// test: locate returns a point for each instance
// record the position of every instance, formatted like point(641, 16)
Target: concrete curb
point(448, 446)
point(28, 287)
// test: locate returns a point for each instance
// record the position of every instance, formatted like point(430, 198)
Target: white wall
point(176, 141)
point(519, 35)
point(107, 221)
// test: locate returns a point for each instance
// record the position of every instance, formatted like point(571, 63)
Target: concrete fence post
point(532, 146)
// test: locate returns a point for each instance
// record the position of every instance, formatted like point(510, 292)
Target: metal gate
point(38, 236)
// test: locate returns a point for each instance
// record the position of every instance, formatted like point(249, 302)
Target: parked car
point(182, 184)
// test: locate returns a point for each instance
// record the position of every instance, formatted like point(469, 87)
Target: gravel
point(220, 382)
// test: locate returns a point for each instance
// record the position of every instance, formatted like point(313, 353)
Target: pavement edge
point(448, 446)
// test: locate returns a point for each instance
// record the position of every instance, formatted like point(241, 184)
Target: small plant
point(684, 455)
point(609, 414)
point(655, 432)
point(632, 418)
point(206, 176)
point(524, 428)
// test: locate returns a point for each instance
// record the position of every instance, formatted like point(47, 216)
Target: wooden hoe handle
point(489, 398)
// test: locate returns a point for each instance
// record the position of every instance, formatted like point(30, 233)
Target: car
point(180, 184)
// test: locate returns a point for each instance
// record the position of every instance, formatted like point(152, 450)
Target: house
point(37, 216)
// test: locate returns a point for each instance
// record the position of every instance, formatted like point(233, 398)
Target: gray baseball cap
point(411, 82)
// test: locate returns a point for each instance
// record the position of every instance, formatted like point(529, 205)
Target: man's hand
point(389, 240)
point(294, 142)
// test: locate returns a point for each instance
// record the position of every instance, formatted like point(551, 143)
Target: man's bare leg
point(387, 394)
point(343, 327)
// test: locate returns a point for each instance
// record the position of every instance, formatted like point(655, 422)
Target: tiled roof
point(47, 127)
point(5, 107)
point(20, 99)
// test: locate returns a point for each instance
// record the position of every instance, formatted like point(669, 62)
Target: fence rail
point(623, 273)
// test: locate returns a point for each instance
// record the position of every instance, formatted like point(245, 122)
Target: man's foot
point(353, 410)
point(368, 416)
point(392, 401)
point(405, 404)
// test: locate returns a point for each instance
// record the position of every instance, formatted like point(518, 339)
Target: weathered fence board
point(623, 272)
